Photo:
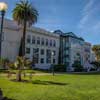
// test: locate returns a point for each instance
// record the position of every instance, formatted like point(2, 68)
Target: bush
point(77, 66)
point(92, 69)
point(59, 68)
point(96, 65)
point(4, 63)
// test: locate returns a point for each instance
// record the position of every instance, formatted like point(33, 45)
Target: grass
point(59, 87)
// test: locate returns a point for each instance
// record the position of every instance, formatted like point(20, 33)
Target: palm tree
point(26, 15)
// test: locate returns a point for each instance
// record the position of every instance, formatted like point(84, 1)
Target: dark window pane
point(42, 41)
point(50, 42)
point(48, 55)
point(54, 43)
point(35, 55)
point(46, 42)
point(38, 40)
point(28, 50)
point(28, 39)
point(33, 39)
point(42, 60)
point(42, 51)
point(54, 61)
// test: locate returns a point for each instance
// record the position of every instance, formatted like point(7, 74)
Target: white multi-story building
point(39, 44)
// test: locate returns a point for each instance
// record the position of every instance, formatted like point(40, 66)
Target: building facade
point(74, 48)
point(41, 44)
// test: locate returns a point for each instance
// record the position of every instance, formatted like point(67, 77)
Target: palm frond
point(24, 11)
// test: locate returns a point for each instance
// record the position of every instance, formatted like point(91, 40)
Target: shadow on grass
point(85, 73)
point(23, 81)
point(40, 82)
point(5, 98)
point(2, 97)
point(48, 83)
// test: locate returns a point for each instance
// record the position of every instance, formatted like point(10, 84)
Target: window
point(35, 55)
point(42, 41)
point(46, 42)
point(28, 50)
point(50, 42)
point(66, 48)
point(28, 39)
point(42, 51)
point(42, 60)
point(38, 40)
point(35, 50)
point(48, 56)
point(54, 61)
point(54, 43)
point(33, 40)
point(66, 56)
point(54, 52)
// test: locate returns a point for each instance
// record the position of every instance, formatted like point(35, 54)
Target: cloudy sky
point(79, 16)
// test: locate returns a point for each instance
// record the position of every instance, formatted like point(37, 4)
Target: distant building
point(66, 47)
point(73, 48)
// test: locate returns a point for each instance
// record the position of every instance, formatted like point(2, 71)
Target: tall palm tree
point(25, 14)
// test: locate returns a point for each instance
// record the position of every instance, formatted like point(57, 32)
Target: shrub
point(77, 66)
point(59, 68)
point(4, 63)
point(96, 65)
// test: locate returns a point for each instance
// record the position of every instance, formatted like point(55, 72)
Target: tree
point(96, 49)
point(20, 65)
point(96, 65)
point(25, 14)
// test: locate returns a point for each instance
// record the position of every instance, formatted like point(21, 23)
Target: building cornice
point(10, 24)
point(43, 32)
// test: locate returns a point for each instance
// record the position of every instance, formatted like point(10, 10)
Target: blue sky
point(79, 16)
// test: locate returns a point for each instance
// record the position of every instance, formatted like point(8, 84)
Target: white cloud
point(88, 7)
point(87, 12)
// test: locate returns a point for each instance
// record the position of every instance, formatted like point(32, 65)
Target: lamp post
point(52, 54)
point(3, 8)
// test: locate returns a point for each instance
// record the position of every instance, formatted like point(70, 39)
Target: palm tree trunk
point(18, 77)
point(23, 39)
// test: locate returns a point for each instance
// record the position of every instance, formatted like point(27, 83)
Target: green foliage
point(96, 49)
point(59, 68)
point(77, 66)
point(4, 63)
point(96, 64)
point(22, 63)
point(24, 11)
point(25, 14)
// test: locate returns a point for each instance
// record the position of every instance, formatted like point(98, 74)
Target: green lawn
point(59, 87)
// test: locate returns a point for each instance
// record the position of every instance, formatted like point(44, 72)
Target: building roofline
point(12, 25)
